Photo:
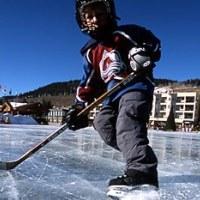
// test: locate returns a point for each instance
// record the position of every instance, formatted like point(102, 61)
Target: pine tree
point(170, 123)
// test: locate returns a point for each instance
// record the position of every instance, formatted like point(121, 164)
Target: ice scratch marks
point(8, 189)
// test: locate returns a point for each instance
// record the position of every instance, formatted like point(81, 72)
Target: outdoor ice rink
point(77, 165)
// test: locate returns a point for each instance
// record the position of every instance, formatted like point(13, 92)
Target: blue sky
point(40, 40)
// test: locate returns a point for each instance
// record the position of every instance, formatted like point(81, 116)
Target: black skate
point(132, 181)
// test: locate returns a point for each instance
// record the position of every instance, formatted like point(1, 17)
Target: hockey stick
point(7, 165)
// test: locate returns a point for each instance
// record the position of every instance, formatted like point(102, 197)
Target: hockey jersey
point(107, 62)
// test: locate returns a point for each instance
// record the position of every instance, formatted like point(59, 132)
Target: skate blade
point(139, 192)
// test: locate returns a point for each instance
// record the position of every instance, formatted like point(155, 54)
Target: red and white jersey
point(108, 60)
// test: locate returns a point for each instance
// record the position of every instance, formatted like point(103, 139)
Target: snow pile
point(17, 119)
point(16, 104)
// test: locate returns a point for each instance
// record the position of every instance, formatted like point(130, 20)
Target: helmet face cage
point(80, 5)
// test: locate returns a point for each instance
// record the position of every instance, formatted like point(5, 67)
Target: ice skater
point(113, 52)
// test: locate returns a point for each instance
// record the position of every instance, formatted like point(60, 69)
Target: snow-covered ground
point(77, 165)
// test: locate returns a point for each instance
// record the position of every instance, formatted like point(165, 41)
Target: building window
point(161, 115)
point(179, 107)
point(162, 107)
point(163, 99)
point(180, 99)
point(189, 108)
point(189, 99)
point(188, 115)
point(179, 116)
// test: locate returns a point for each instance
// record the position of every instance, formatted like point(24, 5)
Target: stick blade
point(8, 165)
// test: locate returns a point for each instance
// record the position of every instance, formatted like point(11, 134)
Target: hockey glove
point(73, 121)
point(139, 59)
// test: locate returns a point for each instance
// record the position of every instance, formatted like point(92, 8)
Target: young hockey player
point(111, 54)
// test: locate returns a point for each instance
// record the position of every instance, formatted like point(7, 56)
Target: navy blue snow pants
point(122, 125)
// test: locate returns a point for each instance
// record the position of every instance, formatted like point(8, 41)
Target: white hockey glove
point(139, 59)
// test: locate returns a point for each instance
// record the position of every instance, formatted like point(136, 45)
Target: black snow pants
point(123, 126)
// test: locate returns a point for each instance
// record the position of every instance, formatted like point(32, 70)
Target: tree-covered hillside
point(69, 87)
point(54, 89)
point(62, 93)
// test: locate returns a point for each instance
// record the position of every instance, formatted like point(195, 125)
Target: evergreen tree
point(170, 123)
point(197, 121)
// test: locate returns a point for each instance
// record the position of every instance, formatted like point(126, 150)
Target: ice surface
point(77, 165)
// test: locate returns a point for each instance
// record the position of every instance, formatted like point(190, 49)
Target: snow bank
point(17, 119)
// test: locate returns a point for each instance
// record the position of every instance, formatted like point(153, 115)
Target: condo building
point(185, 107)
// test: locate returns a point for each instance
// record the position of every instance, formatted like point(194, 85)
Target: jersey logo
point(111, 65)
